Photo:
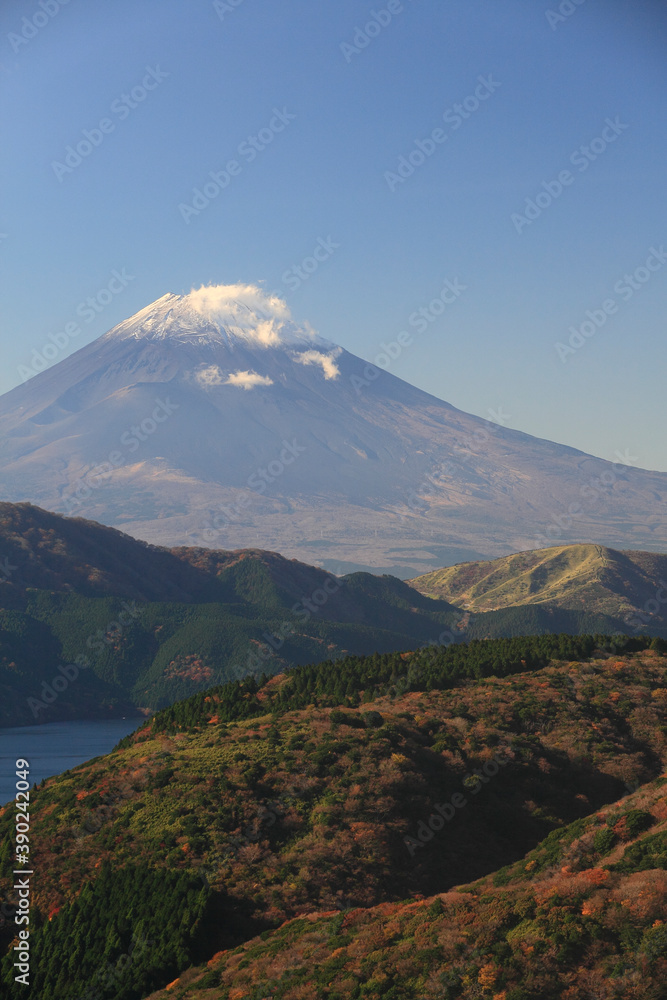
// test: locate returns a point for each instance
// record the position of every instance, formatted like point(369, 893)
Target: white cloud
point(326, 361)
point(249, 313)
point(214, 376)
point(248, 380)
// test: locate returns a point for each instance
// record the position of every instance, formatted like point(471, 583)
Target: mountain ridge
point(484, 934)
point(132, 626)
point(127, 626)
point(629, 585)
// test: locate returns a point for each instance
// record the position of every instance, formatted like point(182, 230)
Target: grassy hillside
point(576, 578)
point(255, 805)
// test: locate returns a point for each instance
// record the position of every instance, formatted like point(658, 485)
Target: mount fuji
point(213, 419)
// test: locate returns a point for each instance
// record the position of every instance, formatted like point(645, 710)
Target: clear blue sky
point(323, 176)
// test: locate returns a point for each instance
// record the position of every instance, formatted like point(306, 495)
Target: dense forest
point(126, 931)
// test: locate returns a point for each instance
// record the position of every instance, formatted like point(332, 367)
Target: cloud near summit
point(250, 313)
point(212, 376)
point(248, 380)
point(326, 361)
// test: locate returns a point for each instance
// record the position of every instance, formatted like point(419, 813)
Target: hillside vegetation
point(581, 916)
point(95, 624)
point(145, 626)
point(259, 803)
point(569, 577)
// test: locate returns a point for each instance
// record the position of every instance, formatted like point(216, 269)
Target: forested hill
point(94, 623)
point(356, 679)
point(48, 551)
point(581, 916)
point(233, 828)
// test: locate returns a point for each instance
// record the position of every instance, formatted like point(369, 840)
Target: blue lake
point(56, 747)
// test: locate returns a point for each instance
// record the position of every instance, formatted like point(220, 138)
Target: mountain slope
point(577, 918)
point(258, 820)
point(211, 419)
point(629, 586)
point(130, 626)
point(95, 623)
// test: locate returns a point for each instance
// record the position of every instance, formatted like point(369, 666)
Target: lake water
point(56, 747)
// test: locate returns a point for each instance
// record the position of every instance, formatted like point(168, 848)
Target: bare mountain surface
point(211, 419)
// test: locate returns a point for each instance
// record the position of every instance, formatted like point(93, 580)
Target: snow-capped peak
point(219, 314)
